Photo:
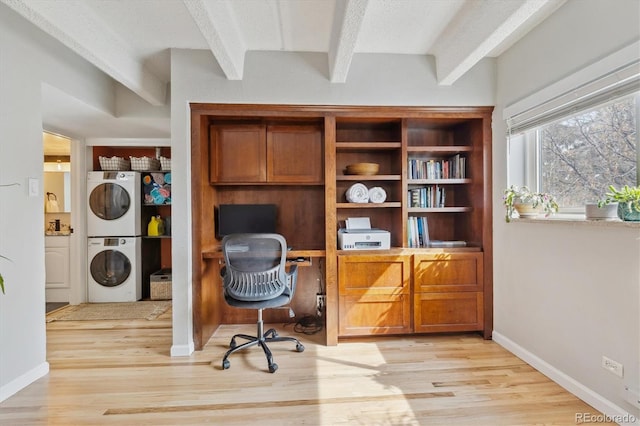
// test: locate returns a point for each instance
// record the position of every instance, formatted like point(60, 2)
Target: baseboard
point(597, 401)
point(182, 350)
point(23, 381)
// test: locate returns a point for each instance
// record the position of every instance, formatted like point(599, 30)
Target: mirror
point(57, 173)
point(57, 192)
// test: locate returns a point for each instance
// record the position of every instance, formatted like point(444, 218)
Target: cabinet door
point(237, 154)
point(374, 314)
point(448, 292)
point(56, 261)
point(444, 272)
point(374, 294)
point(294, 154)
point(448, 312)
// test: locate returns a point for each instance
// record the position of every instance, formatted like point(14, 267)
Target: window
point(574, 149)
point(581, 155)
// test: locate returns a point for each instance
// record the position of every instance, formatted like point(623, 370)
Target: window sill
point(578, 219)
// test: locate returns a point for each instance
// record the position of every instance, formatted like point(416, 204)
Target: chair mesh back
point(254, 266)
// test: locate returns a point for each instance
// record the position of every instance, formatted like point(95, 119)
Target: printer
point(358, 235)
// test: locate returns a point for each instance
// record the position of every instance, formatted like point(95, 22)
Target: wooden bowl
point(362, 169)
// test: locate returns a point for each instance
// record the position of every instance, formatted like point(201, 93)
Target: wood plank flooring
point(121, 373)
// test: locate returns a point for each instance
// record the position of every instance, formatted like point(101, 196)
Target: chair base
point(261, 339)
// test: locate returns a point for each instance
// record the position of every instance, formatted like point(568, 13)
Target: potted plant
point(601, 211)
point(528, 203)
point(628, 199)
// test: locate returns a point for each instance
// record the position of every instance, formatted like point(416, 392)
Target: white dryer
point(115, 269)
point(114, 204)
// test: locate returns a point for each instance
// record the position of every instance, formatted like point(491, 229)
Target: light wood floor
point(120, 372)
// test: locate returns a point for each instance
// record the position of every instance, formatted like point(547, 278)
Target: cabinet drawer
point(374, 314)
point(447, 272)
point(373, 274)
point(448, 311)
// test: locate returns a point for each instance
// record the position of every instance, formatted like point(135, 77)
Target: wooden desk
point(310, 282)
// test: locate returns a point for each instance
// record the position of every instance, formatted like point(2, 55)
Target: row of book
point(450, 168)
point(427, 196)
point(418, 235)
point(417, 232)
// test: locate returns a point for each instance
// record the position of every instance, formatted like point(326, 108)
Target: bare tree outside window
point(582, 155)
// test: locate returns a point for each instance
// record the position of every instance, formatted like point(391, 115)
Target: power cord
point(309, 324)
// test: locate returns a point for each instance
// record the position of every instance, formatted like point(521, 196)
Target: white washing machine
point(115, 269)
point(114, 204)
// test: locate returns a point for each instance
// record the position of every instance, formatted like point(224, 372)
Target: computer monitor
point(245, 218)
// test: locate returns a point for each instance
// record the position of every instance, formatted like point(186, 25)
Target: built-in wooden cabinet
point(296, 156)
point(448, 292)
point(261, 153)
point(375, 294)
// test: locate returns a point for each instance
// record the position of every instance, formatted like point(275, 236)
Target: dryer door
point(109, 201)
point(110, 268)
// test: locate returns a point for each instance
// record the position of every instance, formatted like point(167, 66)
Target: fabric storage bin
point(114, 163)
point(160, 284)
point(144, 163)
point(165, 163)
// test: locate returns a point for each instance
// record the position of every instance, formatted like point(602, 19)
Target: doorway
point(57, 185)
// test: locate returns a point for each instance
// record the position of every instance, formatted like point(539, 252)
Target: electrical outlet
point(613, 366)
point(321, 301)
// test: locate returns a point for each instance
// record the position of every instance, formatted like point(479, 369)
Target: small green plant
point(523, 195)
point(629, 195)
point(1, 278)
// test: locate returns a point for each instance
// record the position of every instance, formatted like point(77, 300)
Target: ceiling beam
point(478, 29)
point(347, 22)
point(75, 26)
point(217, 24)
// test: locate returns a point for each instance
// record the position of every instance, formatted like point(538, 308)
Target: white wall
point(290, 78)
point(566, 294)
point(28, 58)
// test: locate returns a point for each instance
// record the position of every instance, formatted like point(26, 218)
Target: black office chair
point(254, 277)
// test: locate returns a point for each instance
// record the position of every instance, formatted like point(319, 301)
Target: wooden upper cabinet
point(258, 153)
point(238, 154)
point(294, 154)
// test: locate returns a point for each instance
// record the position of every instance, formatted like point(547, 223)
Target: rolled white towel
point(377, 195)
point(357, 193)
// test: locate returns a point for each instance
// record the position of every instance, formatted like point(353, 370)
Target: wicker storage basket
point(160, 283)
point(114, 163)
point(144, 163)
point(165, 163)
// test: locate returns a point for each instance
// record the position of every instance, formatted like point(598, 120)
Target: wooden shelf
point(439, 209)
point(439, 149)
point(367, 146)
point(393, 204)
point(368, 177)
point(438, 181)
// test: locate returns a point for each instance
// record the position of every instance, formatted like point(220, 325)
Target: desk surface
point(216, 253)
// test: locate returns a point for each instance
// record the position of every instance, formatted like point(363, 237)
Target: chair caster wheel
point(226, 364)
point(299, 347)
point(232, 344)
point(273, 367)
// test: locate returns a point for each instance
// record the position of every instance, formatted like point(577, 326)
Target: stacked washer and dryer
point(114, 236)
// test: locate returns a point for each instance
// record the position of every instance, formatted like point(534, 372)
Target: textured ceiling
point(130, 39)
